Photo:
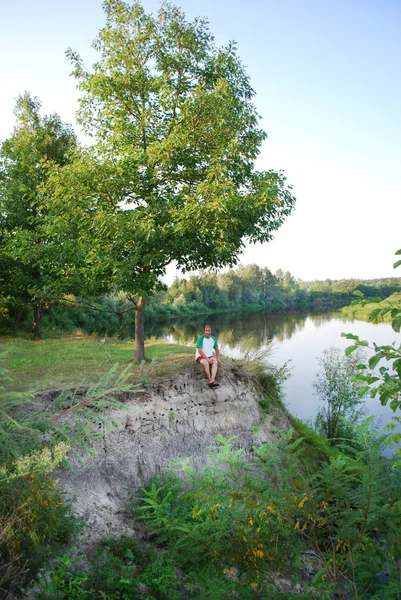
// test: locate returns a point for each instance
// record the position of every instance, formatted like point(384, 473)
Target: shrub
point(35, 525)
point(242, 520)
point(121, 570)
point(342, 405)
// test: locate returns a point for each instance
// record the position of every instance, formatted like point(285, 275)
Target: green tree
point(170, 175)
point(230, 284)
point(288, 280)
point(29, 271)
point(338, 394)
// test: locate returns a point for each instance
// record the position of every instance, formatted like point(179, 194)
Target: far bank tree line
point(247, 288)
point(169, 176)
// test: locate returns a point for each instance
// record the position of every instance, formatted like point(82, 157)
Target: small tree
point(338, 393)
point(382, 381)
point(171, 173)
point(29, 270)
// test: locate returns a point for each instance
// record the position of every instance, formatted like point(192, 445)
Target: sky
point(328, 90)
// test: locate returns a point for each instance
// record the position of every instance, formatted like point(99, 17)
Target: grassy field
point(56, 363)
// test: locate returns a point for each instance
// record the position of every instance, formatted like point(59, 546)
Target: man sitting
point(206, 344)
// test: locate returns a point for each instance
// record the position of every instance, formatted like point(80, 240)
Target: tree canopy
point(170, 175)
point(29, 271)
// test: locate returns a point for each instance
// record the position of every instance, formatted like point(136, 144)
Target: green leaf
point(362, 391)
point(396, 324)
point(317, 578)
point(390, 427)
point(349, 350)
point(374, 360)
point(358, 293)
point(350, 336)
point(374, 314)
point(397, 264)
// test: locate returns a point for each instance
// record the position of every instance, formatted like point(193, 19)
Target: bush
point(35, 525)
point(342, 405)
point(121, 570)
point(239, 522)
point(35, 521)
point(236, 527)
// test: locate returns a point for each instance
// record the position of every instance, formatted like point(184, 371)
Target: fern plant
point(249, 518)
point(26, 425)
point(35, 520)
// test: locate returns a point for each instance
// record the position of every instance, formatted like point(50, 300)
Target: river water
point(296, 338)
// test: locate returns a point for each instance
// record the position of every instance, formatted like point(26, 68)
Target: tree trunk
point(120, 323)
point(37, 320)
point(139, 329)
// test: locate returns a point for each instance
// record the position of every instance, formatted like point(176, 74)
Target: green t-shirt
point(207, 345)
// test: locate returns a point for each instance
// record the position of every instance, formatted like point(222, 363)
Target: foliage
point(35, 523)
point(243, 515)
point(175, 139)
point(251, 287)
point(382, 381)
point(121, 570)
point(53, 364)
point(223, 518)
point(271, 379)
point(29, 271)
point(316, 448)
point(111, 577)
point(25, 423)
point(381, 309)
point(243, 289)
point(241, 523)
point(35, 437)
point(342, 403)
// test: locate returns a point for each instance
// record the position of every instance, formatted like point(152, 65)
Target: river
point(296, 338)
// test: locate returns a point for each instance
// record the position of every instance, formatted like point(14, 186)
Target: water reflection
point(251, 331)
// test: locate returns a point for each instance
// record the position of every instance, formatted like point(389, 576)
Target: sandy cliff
point(176, 417)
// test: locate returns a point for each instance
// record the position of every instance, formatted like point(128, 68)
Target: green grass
point(55, 363)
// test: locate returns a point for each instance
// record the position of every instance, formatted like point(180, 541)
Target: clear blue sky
point(328, 89)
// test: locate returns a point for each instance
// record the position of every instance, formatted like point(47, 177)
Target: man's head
point(207, 331)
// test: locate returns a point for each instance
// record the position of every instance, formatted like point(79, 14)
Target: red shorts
point(200, 358)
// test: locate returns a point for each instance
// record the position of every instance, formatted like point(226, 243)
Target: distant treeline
point(245, 289)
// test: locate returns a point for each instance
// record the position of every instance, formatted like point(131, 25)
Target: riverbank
point(258, 484)
point(380, 310)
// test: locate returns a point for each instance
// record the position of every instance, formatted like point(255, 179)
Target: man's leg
point(206, 366)
point(214, 370)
